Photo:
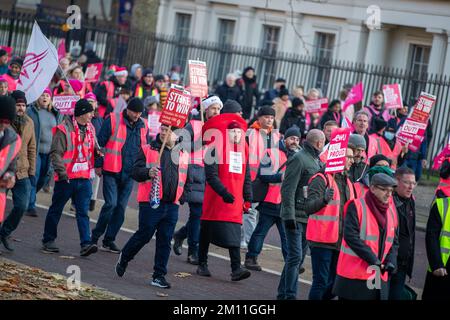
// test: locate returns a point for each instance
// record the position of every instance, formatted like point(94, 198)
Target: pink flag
point(61, 49)
point(346, 123)
point(442, 155)
point(355, 95)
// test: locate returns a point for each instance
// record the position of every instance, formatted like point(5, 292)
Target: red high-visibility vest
point(113, 149)
point(71, 153)
point(7, 155)
point(257, 148)
point(324, 155)
point(151, 160)
point(197, 155)
point(323, 226)
point(444, 186)
point(377, 145)
point(109, 85)
point(350, 265)
point(277, 160)
point(360, 189)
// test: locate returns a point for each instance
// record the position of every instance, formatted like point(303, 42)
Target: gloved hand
point(247, 206)
point(389, 268)
point(290, 224)
point(228, 197)
point(329, 194)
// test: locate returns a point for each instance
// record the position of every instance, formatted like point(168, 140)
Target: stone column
point(437, 54)
point(377, 46)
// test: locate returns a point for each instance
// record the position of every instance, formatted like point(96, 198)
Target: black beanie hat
point(82, 107)
point(378, 157)
point(19, 96)
point(266, 111)
point(135, 104)
point(292, 131)
point(378, 124)
point(231, 106)
point(7, 108)
point(297, 102)
point(283, 91)
point(444, 171)
point(3, 52)
point(147, 71)
point(17, 60)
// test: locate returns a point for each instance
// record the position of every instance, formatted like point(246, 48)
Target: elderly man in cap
point(261, 137)
point(357, 143)
point(368, 254)
point(268, 189)
point(74, 147)
point(195, 183)
point(25, 171)
point(10, 144)
point(122, 136)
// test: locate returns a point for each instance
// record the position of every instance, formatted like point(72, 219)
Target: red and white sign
point(65, 104)
point(39, 65)
point(198, 78)
point(177, 107)
point(93, 72)
point(337, 150)
point(392, 96)
point(318, 105)
point(412, 132)
point(153, 123)
point(355, 95)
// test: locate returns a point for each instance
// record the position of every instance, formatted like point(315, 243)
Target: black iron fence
point(162, 51)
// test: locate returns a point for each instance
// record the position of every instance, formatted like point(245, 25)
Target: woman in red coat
point(228, 192)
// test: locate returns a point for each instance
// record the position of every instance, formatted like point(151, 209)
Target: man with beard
point(25, 171)
point(377, 110)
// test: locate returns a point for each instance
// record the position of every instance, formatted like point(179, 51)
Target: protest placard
point(198, 78)
point(412, 132)
point(177, 107)
point(337, 150)
point(392, 96)
point(65, 104)
point(93, 72)
point(318, 105)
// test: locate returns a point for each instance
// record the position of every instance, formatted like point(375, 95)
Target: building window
point(182, 29)
point(226, 31)
point(183, 25)
point(28, 4)
point(270, 41)
point(225, 40)
point(419, 57)
point(323, 51)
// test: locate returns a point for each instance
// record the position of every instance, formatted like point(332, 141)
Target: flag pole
point(59, 66)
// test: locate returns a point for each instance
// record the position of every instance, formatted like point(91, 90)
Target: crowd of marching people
point(269, 169)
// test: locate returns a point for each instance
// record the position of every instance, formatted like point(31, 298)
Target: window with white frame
point(323, 51)
point(270, 42)
point(226, 31)
point(271, 38)
point(182, 25)
point(419, 57)
point(225, 39)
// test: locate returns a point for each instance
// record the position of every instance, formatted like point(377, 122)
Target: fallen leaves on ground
point(162, 295)
point(182, 274)
point(20, 282)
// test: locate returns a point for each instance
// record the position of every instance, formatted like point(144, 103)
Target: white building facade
point(411, 34)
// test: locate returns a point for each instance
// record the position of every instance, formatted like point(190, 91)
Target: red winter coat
point(219, 179)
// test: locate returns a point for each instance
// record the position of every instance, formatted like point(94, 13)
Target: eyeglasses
point(409, 183)
point(386, 190)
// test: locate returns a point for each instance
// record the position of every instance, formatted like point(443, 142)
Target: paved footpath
point(98, 269)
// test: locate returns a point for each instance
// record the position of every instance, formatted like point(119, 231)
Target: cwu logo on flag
point(31, 64)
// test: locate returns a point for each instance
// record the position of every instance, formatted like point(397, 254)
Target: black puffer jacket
point(293, 117)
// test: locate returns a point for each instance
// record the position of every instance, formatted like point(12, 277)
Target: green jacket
point(299, 169)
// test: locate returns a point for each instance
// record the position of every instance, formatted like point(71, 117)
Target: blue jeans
point(112, 215)
point(162, 221)
point(21, 196)
point(191, 230)
point(397, 285)
point(42, 169)
point(256, 242)
point(287, 289)
point(324, 264)
point(80, 190)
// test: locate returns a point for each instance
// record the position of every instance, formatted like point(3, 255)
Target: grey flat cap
point(357, 141)
point(382, 179)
